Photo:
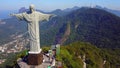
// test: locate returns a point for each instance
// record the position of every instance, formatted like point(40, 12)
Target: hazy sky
point(48, 5)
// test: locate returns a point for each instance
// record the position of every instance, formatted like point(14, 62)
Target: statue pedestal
point(35, 59)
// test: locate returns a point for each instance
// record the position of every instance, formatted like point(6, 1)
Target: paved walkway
point(25, 65)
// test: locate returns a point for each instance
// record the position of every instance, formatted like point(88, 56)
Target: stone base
point(35, 59)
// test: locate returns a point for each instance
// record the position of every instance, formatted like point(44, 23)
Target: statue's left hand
point(53, 15)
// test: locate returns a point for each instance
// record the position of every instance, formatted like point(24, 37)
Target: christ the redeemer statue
point(33, 18)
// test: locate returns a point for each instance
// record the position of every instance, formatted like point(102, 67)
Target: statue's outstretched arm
point(46, 17)
point(50, 16)
point(15, 15)
point(19, 16)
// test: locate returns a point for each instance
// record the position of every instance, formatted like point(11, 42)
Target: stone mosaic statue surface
point(33, 17)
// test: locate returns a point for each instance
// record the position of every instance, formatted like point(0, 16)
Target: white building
point(1, 47)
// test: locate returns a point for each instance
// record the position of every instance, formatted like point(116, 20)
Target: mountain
point(96, 26)
point(64, 12)
point(59, 12)
point(22, 9)
point(71, 9)
point(116, 12)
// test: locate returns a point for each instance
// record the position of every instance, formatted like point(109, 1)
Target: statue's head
point(32, 8)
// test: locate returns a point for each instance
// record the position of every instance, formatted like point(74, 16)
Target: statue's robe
point(33, 20)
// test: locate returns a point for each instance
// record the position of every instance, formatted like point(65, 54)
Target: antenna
point(91, 2)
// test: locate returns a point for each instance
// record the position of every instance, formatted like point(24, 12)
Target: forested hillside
point(76, 55)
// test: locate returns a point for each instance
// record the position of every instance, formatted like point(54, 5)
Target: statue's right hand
point(12, 14)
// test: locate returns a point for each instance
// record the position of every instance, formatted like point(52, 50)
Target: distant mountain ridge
point(116, 12)
point(64, 11)
point(58, 12)
point(67, 10)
